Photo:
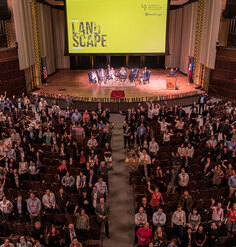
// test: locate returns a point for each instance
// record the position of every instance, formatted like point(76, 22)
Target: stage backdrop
point(116, 26)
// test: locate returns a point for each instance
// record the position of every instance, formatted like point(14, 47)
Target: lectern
point(171, 82)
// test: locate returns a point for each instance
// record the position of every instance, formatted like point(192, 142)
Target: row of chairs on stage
point(103, 75)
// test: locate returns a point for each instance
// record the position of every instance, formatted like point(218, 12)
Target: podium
point(171, 82)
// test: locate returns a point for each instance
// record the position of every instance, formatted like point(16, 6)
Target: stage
point(76, 84)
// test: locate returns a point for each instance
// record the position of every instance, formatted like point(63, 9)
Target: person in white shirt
point(7, 243)
point(163, 125)
point(6, 208)
point(92, 143)
point(95, 196)
point(181, 150)
point(102, 187)
point(153, 147)
point(15, 137)
point(178, 221)
point(183, 179)
point(144, 157)
point(189, 151)
point(49, 201)
point(94, 76)
point(166, 136)
point(156, 111)
point(80, 182)
point(159, 218)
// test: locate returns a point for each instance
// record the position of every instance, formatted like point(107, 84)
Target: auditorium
point(117, 123)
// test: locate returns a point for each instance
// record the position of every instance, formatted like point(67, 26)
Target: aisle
point(120, 197)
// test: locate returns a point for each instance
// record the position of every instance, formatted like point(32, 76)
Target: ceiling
point(61, 3)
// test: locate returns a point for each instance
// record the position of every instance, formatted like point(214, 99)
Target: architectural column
point(127, 61)
point(226, 34)
point(28, 79)
point(108, 59)
point(198, 37)
point(7, 34)
point(37, 69)
point(204, 77)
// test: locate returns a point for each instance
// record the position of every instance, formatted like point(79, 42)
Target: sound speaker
point(230, 9)
point(5, 14)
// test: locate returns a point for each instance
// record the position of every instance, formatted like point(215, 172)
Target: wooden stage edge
point(76, 84)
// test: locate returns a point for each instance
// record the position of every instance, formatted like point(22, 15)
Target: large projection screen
point(116, 27)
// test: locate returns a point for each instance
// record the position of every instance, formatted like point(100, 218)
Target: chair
point(139, 189)
point(94, 233)
point(20, 228)
point(47, 218)
point(70, 218)
point(60, 219)
point(29, 229)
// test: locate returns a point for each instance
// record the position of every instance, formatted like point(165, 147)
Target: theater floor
point(120, 196)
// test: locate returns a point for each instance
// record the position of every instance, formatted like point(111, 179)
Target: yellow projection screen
point(116, 27)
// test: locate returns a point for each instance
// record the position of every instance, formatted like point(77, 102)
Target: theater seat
point(60, 219)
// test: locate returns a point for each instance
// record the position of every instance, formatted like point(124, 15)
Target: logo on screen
point(87, 34)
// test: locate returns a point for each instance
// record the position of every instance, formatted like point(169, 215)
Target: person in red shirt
point(231, 220)
point(144, 235)
point(156, 196)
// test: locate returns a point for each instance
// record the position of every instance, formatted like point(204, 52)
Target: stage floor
point(76, 83)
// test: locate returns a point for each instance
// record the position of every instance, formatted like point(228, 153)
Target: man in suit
point(217, 127)
point(202, 102)
point(91, 179)
point(20, 209)
point(62, 201)
point(182, 112)
point(102, 211)
point(71, 233)
point(132, 75)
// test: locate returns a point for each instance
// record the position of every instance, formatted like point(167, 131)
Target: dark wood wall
point(12, 79)
point(223, 77)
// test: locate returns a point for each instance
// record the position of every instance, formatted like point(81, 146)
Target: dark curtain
point(88, 62)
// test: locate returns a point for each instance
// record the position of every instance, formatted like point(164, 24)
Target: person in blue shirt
point(231, 145)
point(76, 116)
point(8, 104)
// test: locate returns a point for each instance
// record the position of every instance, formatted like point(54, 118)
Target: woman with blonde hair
point(159, 237)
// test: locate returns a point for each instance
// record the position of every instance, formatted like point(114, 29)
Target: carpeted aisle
point(120, 198)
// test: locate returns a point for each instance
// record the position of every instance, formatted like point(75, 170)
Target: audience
point(186, 156)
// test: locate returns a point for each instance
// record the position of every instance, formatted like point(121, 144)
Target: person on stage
point(123, 73)
point(112, 74)
point(103, 76)
point(172, 72)
point(132, 76)
point(94, 77)
point(143, 76)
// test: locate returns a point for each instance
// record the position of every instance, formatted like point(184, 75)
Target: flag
point(45, 74)
point(190, 68)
